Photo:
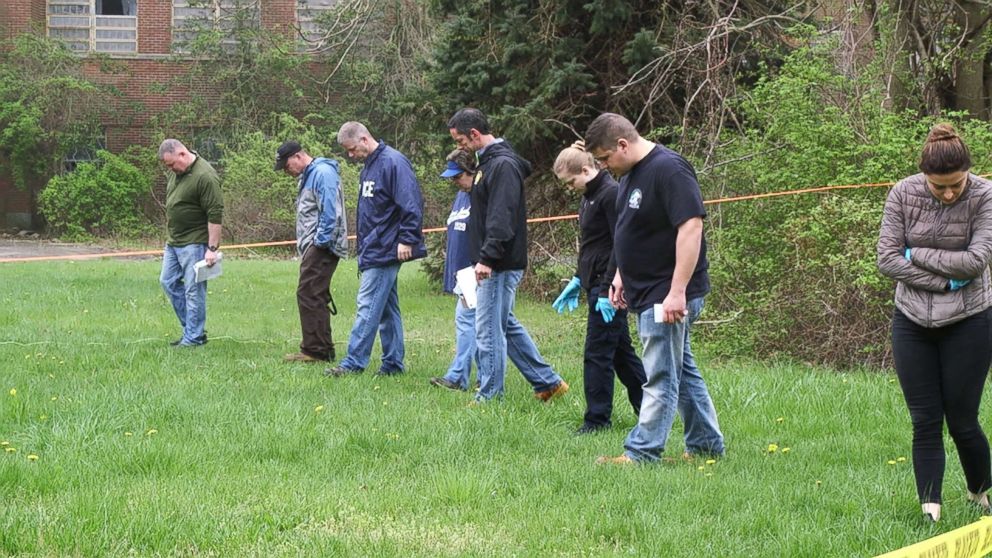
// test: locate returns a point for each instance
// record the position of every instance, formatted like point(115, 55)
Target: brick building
point(144, 36)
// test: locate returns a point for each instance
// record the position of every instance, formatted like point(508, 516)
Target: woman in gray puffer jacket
point(936, 242)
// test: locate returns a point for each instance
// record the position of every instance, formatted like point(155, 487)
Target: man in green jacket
point(194, 207)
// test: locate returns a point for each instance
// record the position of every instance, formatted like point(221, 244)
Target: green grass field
point(116, 444)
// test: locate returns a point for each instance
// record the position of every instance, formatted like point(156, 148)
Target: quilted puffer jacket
point(946, 241)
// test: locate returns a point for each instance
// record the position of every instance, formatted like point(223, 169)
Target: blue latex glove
point(907, 254)
point(955, 284)
point(569, 297)
point(605, 309)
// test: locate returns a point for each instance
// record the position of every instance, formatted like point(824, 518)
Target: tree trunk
point(969, 85)
point(898, 51)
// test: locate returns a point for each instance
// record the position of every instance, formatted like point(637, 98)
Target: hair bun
point(579, 144)
point(942, 132)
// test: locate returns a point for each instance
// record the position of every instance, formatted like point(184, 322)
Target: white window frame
point(108, 34)
point(188, 15)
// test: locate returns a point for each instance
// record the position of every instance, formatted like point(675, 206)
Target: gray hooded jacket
point(946, 241)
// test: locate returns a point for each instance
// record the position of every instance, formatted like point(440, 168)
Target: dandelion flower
point(42, 417)
point(786, 450)
point(900, 459)
point(780, 419)
point(818, 483)
point(151, 432)
point(891, 462)
point(10, 450)
point(13, 392)
point(129, 434)
point(772, 448)
point(4, 443)
point(55, 398)
point(700, 468)
point(710, 461)
point(318, 408)
point(32, 457)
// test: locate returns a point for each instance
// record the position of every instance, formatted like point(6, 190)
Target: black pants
point(313, 296)
point(608, 348)
point(942, 372)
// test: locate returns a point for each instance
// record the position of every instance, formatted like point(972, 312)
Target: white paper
point(465, 280)
point(659, 315)
point(205, 272)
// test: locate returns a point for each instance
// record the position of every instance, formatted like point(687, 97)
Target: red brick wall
point(150, 84)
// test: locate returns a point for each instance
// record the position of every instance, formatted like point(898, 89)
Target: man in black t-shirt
point(662, 277)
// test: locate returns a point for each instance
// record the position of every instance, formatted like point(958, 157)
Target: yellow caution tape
point(970, 541)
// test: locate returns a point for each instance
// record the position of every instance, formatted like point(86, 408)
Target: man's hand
point(404, 252)
point(482, 271)
point(616, 292)
point(673, 308)
point(210, 257)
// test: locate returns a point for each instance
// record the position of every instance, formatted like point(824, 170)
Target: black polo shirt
point(658, 194)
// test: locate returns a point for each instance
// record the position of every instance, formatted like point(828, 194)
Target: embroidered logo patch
point(634, 201)
point(478, 177)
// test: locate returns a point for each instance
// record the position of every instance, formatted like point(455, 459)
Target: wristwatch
point(213, 248)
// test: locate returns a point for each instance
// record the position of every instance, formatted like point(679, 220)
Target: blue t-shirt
point(457, 253)
point(658, 194)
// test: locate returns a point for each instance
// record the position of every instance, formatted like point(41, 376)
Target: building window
point(109, 26)
point(192, 18)
point(84, 153)
point(312, 17)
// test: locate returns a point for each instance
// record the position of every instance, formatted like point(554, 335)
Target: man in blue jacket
point(321, 241)
point(390, 216)
point(497, 236)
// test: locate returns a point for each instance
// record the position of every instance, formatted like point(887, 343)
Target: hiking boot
point(385, 372)
point(301, 357)
point(621, 459)
point(339, 371)
point(441, 382)
point(557, 390)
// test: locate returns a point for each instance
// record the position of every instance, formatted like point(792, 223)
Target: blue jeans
point(189, 298)
point(497, 330)
point(378, 309)
point(674, 383)
point(460, 370)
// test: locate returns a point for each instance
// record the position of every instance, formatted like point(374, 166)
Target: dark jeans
point(313, 296)
point(609, 348)
point(942, 372)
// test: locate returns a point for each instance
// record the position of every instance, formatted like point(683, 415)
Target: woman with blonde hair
point(608, 347)
point(936, 242)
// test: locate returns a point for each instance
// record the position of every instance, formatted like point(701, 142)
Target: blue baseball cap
point(452, 170)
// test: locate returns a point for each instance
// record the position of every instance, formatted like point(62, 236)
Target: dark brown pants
point(313, 296)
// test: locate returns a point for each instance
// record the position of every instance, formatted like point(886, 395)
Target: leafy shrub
point(97, 199)
point(796, 276)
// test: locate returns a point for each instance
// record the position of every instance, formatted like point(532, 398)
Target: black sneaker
point(339, 371)
point(384, 372)
point(587, 428)
point(441, 382)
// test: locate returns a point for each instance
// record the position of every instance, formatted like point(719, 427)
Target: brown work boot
point(300, 357)
point(557, 390)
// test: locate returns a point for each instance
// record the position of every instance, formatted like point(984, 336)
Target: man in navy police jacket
point(390, 218)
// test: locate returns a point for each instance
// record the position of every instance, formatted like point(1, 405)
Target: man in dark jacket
point(321, 241)
point(390, 215)
point(498, 248)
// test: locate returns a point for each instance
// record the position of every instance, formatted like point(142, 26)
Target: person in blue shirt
point(321, 241)
point(390, 217)
point(460, 170)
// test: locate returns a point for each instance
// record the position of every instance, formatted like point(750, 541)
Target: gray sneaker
point(339, 371)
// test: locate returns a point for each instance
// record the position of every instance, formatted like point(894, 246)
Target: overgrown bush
point(796, 276)
point(98, 199)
